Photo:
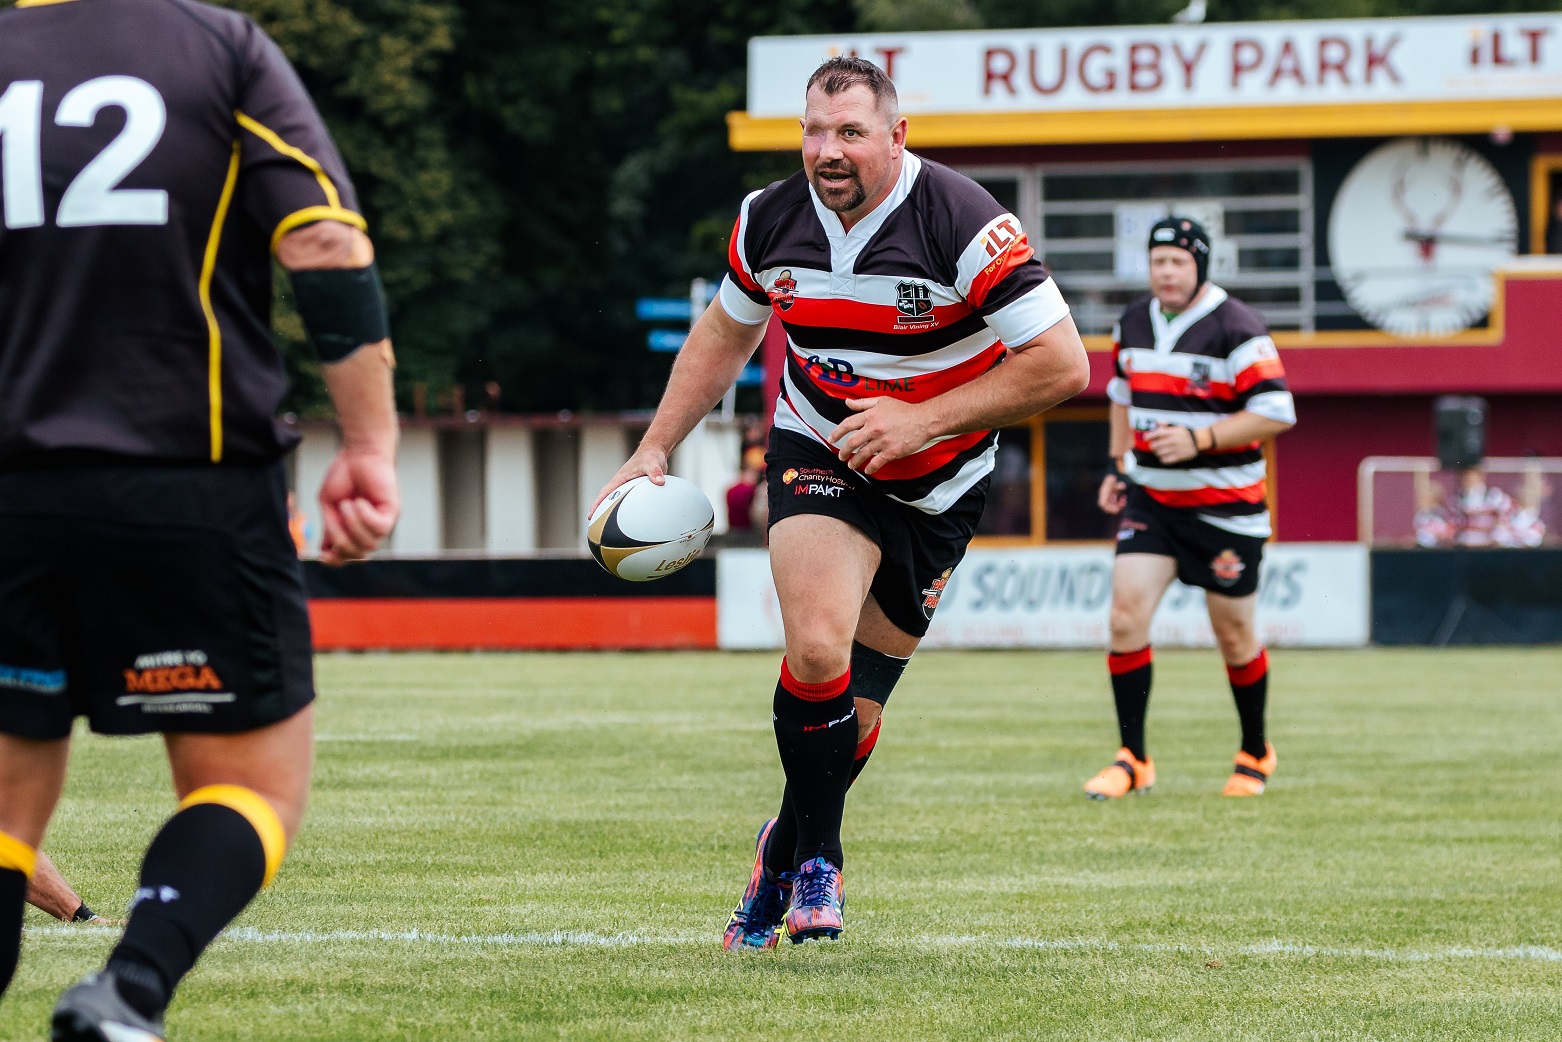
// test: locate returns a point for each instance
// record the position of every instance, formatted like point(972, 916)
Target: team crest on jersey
point(914, 301)
point(785, 291)
point(1228, 567)
point(931, 595)
point(1199, 378)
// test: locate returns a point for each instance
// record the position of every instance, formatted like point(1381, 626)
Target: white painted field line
point(585, 939)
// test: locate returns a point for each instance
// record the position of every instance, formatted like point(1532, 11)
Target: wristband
point(83, 914)
point(1213, 444)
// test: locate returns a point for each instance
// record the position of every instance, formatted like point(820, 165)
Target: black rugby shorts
point(149, 598)
point(1208, 557)
point(918, 551)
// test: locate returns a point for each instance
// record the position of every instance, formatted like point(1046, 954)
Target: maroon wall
point(1316, 463)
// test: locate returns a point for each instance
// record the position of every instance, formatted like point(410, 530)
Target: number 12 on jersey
point(94, 197)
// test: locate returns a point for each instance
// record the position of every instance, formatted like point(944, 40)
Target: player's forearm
point(1049, 370)
point(1121, 438)
point(360, 388)
point(1243, 428)
point(708, 365)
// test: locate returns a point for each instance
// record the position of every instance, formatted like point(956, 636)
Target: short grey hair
point(844, 72)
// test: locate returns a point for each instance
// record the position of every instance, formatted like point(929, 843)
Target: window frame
point(1033, 211)
point(1543, 167)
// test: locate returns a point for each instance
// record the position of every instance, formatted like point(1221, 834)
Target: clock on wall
point(1416, 231)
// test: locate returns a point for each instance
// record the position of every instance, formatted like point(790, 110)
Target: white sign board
point(1310, 594)
point(1333, 62)
point(1133, 222)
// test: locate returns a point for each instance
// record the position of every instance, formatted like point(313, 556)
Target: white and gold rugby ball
point(644, 531)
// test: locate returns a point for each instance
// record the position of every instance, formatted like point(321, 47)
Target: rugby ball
point(645, 531)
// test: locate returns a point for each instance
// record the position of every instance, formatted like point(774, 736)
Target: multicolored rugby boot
point(1249, 775)
point(93, 1011)
point(818, 903)
point(1127, 774)
point(756, 921)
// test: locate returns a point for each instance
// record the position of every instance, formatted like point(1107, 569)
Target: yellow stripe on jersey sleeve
point(311, 214)
point(333, 209)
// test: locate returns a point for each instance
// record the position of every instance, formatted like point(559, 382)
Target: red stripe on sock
point(1251, 673)
point(814, 692)
point(1120, 662)
point(865, 746)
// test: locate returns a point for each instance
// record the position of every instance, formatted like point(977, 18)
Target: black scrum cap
point(1186, 234)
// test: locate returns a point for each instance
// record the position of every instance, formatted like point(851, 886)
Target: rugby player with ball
point(918, 319)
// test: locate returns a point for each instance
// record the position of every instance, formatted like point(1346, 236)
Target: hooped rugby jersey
point(155, 152)
point(1193, 370)
point(920, 296)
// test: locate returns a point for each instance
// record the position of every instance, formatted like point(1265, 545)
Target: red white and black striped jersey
point(1192, 370)
point(920, 296)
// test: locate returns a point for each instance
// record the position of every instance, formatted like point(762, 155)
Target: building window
point(1075, 462)
point(1009, 510)
point(1090, 223)
point(1045, 481)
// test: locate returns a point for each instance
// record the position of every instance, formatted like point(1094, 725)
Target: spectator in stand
point(1527, 525)
point(743, 504)
point(1435, 524)
point(1483, 509)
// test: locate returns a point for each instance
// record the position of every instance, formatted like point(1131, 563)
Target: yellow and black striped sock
point(17, 862)
point(209, 861)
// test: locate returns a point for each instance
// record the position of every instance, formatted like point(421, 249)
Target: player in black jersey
point(158, 153)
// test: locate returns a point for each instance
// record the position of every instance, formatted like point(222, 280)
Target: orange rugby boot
point(1126, 775)
point(1249, 775)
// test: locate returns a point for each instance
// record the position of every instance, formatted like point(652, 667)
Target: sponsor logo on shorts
point(931, 595)
point(790, 476)
point(784, 291)
point(170, 682)
point(1126, 530)
point(37, 681)
point(1228, 567)
point(812, 482)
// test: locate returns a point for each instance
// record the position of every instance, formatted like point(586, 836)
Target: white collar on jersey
point(1169, 331)
point(864, 229)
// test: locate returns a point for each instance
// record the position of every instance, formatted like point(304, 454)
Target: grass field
point(547, 847)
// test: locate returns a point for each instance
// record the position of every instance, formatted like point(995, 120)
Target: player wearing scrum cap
point(1198, 389)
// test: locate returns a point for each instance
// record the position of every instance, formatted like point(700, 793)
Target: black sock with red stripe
point(873, 676)
point(1131, 673)
point(1250, 687)
point(781, 846)
point(816, 735)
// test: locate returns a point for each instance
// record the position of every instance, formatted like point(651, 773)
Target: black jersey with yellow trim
point(157, 151)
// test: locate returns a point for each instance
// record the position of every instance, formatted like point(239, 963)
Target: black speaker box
point(1461, 430)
